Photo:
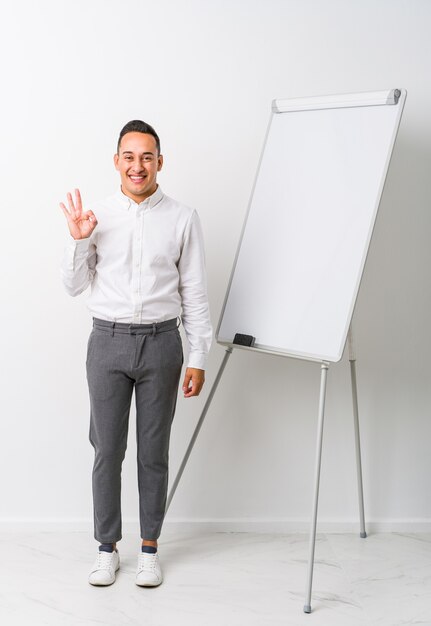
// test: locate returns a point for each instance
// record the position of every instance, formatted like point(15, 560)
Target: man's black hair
point(138, 126)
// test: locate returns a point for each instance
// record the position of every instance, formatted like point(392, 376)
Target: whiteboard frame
point(390, 97)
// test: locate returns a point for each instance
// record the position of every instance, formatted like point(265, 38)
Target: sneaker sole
point(148, 584)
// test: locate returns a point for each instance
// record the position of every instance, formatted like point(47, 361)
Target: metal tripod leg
point(198, 427)
point(352, 359)
point(323, 376)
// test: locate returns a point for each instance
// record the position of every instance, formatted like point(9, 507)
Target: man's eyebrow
point(130, 152)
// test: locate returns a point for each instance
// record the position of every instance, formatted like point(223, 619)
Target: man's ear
point(159, 162)
point(116, 161)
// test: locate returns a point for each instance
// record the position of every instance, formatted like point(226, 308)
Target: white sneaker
point(104, 568)
point(148, 573)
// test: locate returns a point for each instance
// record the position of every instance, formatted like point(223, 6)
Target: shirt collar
point(126, 203)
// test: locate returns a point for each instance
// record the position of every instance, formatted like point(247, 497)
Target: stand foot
point(307, 608)
point(363, 535)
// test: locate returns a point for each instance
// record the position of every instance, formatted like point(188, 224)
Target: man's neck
point(139, 199)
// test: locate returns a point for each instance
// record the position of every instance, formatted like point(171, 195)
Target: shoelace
point(147, 561)
point(104, 560)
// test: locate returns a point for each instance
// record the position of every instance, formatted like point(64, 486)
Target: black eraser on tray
point(244, 340)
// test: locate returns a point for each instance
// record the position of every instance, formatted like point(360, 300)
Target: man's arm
point(78, 265)
point(79, 259)
point(195, 310)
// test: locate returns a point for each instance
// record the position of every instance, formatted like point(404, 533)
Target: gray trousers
point(122, 357)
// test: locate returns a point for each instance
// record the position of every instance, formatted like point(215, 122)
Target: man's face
point(138, 164)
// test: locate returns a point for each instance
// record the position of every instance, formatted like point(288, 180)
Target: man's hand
point(193, 382)
point(81, 223)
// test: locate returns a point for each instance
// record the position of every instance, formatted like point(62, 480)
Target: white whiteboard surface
point(306, 235)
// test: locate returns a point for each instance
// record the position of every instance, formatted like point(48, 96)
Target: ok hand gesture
point(81, 223)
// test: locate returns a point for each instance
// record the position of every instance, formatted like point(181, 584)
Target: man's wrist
point(82, 244)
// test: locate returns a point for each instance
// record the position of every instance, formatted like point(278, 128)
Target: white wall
point(204, 74)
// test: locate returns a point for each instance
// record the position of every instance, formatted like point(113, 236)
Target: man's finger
point(90, 216)
point(186, 383)
point(78, 200)
point(65, 211)
point(195, 388)
point(71, 205)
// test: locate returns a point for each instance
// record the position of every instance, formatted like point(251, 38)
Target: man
point(142, 253)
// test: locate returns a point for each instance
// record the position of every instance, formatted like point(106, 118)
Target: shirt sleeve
point(193, 291)
point(78, 265)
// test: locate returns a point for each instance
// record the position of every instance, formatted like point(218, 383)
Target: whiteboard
point(309, 223)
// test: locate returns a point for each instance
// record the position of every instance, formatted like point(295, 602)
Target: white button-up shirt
point(145, 263)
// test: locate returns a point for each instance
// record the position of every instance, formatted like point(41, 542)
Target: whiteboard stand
point(352, 360)
point(323, 380)
point(308, 228)
point(318, 462)
point(323, 377)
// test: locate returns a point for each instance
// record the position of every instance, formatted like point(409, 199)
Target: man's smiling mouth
point(137, 179)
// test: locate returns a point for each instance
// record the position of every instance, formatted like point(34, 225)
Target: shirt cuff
point(197, 360)
point(81, 244)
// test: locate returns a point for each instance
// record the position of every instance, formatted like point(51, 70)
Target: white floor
point(223, 579)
